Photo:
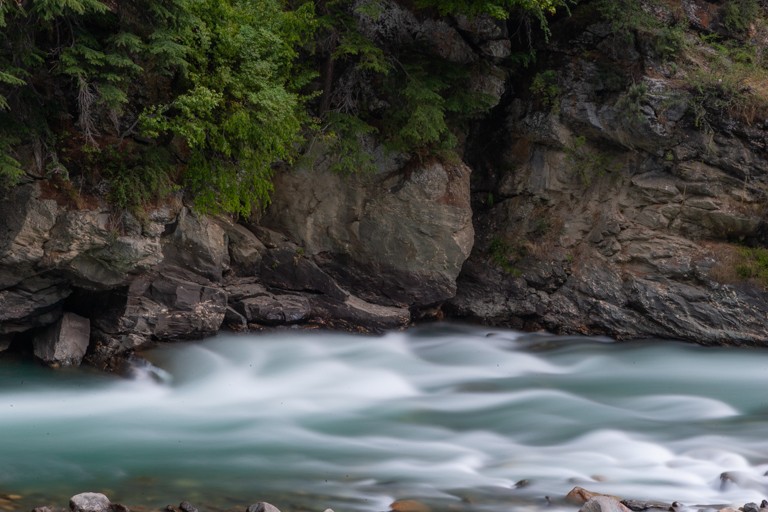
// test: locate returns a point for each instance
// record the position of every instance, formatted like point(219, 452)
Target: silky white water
point(460, 417)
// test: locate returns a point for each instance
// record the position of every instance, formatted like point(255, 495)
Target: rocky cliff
point(604, 193)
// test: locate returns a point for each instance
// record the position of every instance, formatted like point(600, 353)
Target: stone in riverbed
point(603, 504)
point(89, 502)
point(186, 506)
point(64, 343)
point(262, 506)
point(750, 507)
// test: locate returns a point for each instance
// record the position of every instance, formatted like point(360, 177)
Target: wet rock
point(172, 303)
point(274, 309)
point(186, 506)
point(64, 343)
point(603, 504)
point(750, 507)
point(89, 502)
point(409, 506)
point(262, 506)
point(353, 312)
point(641, 505)
point(579, 495)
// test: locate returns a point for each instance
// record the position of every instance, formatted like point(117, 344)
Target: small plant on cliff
point(546, 89)
point(504, 254)
point(753, 264)
point(631, 102)
point(589, 163)
point(738, 16)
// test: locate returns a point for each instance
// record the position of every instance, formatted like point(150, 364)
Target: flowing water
point(462, 418)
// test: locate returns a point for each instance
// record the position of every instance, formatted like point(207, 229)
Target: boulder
point(245, 249)
point(397, 238)
point(198, 244)
point(274, 309)
point(603, 504)
point(89, 502)
point(27, 222)
point(64, 343)
point(262, 506)
point(170, 303)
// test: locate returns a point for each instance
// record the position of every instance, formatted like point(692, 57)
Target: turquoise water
point(452, 415)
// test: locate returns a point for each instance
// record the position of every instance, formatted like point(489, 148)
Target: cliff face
point(626, 203)
point(612, 190)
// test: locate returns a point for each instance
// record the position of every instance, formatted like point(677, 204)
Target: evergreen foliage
point(140, 98)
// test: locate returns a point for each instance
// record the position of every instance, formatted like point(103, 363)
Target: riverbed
point(462, 418)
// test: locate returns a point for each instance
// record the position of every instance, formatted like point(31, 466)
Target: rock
point(171, 303)
point(64, 343)
point(89, 502)
point(262, 506)
point(198, 244)
point(186, 506)
point(5, 342)
point(640, 505)
point(409, 506)
point(354, 312)
point(579, 495)
point(27, 222)
point(396, 239)
point(603, 504)
point(750, 507)
point(245, 249)
point(274, 309)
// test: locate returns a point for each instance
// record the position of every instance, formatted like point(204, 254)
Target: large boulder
point(396, 238)
point(65, 342)
point(199, 244)
point(89, 502)
point(169, 303)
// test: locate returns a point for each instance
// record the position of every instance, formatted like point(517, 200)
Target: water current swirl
point(463, 418)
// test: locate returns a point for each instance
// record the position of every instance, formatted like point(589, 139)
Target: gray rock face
point(617, 220)
point(89, 502)
point(171, 303)
point(391, 239)
point(198, 244)
point(64, 343)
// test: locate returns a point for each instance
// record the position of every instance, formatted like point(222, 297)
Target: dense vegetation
point(135, 99)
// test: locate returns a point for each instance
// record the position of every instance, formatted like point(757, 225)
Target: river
point(462, 418)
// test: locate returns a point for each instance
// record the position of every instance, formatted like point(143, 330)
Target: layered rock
point(65, 342)
point(393, 238)
point(612, 212)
